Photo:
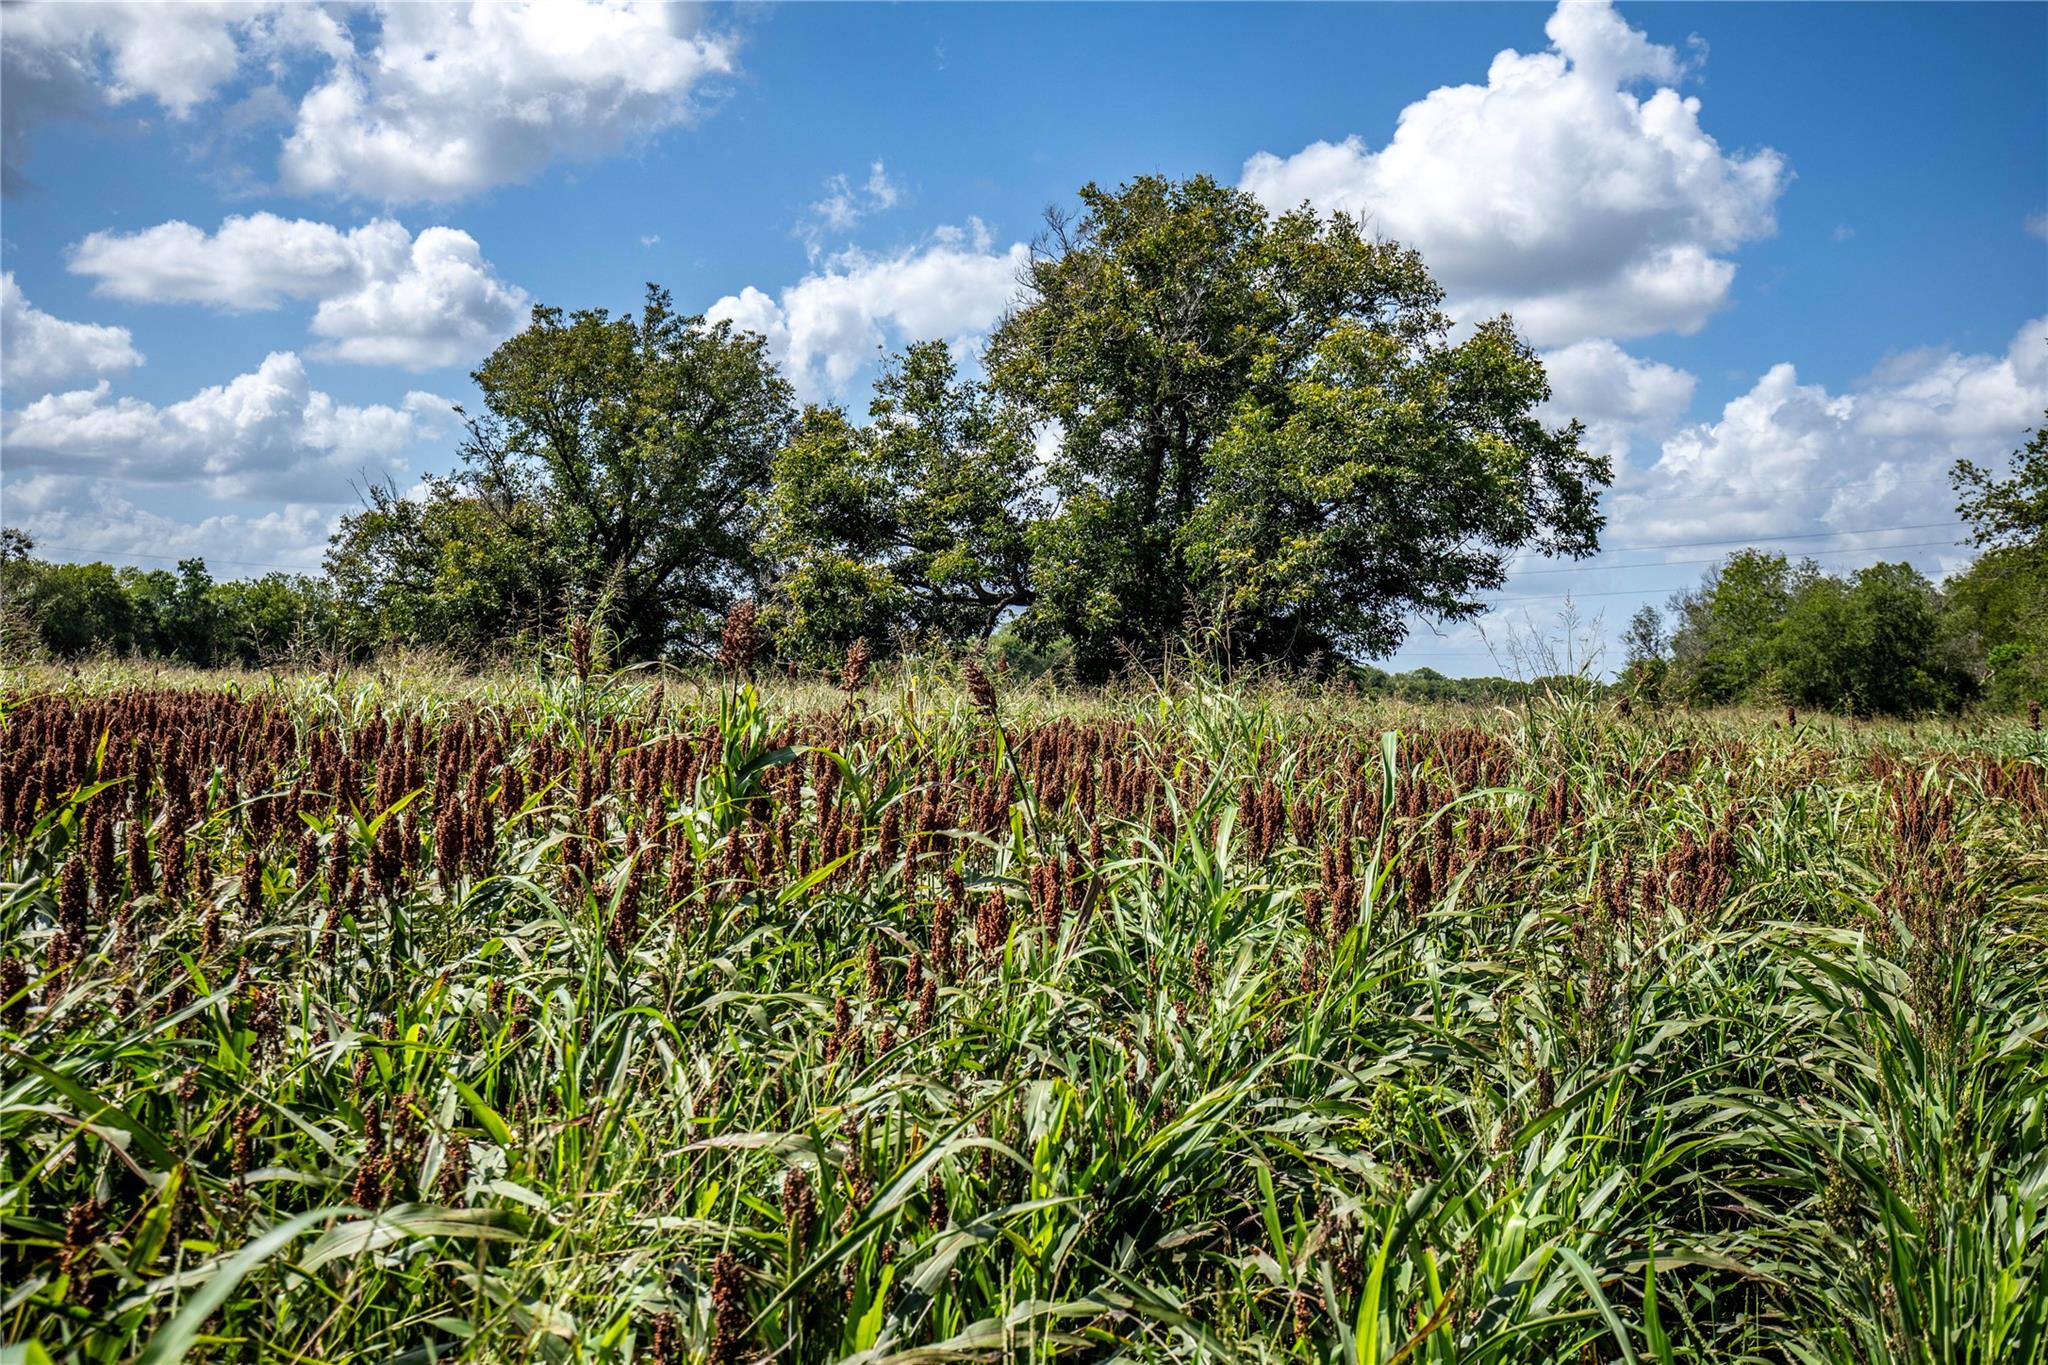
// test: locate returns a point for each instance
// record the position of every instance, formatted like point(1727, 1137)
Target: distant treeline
point(66, 611)
point(1884, 640)
point(1201, 430)
point(63, 611)
point(1760, 629)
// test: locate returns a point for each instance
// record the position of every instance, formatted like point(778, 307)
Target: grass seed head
point(454, 1175)
point(979, 688)
point(799, 1206)
point(14, 1000)
point(729, 1315)
point(82, 1227)
point(580, 635)
point(665, 1346)
point(853, 676)
point(739, 642)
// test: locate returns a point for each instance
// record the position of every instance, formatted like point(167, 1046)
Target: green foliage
point(1265, 430)
point(1999, 606)
point(2000, 603)
point(455, 570)
point(1876, 642)
point(1645, 670)
point(2012, 511)
point(1266, 449)
point(914, 526)
point(1427, 685)
point(1015, 652)
point(1721, 644)
point(67, 611)
point(643, 444)
point(1299, 1029)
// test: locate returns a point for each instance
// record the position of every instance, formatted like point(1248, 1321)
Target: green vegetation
point(1203, 430)
point(2003, 599)
point(646, 1017)
point(1267, 434)
point(1881, 641)
point(71, 610)
point(1761, 629)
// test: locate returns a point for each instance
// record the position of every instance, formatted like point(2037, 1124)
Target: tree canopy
point(1201, 426)
point(916, 525)
point(457, 570)
point(2012, 512)
point(1760, 628)
point(2001, 600)
point(1265, 430)
point(187, 617)
point(643, 444)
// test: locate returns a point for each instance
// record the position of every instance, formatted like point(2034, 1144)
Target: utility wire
point(1762, 540)
point(175, 559)
point(1594, 567)
point(1667, 587)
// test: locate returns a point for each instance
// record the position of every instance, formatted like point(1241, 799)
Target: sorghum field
point(605, 1018)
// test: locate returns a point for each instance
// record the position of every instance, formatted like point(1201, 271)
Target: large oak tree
point(644, 443)
point(1271, 433)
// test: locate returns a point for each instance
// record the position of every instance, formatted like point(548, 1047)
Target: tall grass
point(1192, 1024)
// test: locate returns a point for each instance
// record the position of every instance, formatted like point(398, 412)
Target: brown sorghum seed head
point(980, 690)
point(13, 992)
point(373, 1182)
point(739, 642)
point(729, 1315)
point(81, 1234)
point(244, 1155)
point(71, 897)
point(799, 1206)
point(106, 866)
point(579, 647)
point(854, 675)
point(454, 1177)
point(666, 1347)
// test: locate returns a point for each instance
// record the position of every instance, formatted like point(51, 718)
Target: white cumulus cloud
point(1555, 191)
point(1620, 397)
point(265, 432)
point(79, 518)
point(385, 296)
point(830, 324)
point(38, 350)
point(1788, 455)
point(454, 99)
point(444, 306)
point(70, 60)
point(846, 203)
point(405, 102)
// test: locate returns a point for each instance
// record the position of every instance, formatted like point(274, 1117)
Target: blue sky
point(1788, 262)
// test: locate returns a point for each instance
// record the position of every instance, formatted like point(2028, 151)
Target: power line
point(1760, 540)
point(1611, 549)
point(174, 559)
point(1630, 592)
point(1716, 559)
point(1836, 485)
